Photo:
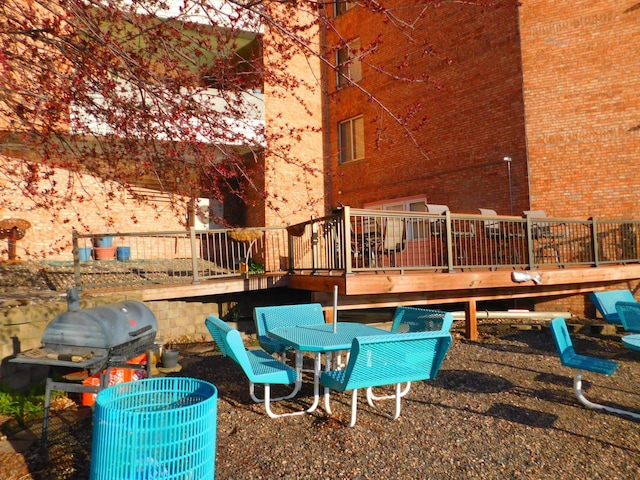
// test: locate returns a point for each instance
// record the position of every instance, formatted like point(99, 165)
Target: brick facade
point(294, 187)
point(581, 87)
point(288, 190)
point(472, 103)
point(549, 85)
point(51, 236)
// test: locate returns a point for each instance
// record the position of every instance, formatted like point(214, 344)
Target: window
point(417, 228)
point(348, 65)
point(342, 6)
point(351, 139)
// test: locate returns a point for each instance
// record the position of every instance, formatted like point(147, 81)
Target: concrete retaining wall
point(21, 328)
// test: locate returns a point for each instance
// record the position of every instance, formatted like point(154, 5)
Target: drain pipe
point(514, 314)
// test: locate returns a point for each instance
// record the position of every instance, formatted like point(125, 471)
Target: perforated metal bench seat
point(258, 366)
point(381, 360)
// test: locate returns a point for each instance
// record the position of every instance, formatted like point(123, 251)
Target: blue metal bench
point(605, 303)
point(412, 319)
point(268, 318)
point(258, 366)
point(579, 363)
point(629, 314)
point(380, 360)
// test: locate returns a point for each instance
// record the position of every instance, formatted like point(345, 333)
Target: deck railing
point(147, 258)
point(356, 240)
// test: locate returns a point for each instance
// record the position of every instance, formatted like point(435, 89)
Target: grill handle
point(135, 333)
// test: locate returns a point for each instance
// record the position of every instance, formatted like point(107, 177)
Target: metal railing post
point(594, 241)
point(315, 254)
point(76, 260)
point(194, 254)
point(291, 253)
point(449, 230)
point(530, 253)
point(348, 254)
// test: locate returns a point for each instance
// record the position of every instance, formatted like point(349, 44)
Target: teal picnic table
point(632, 341)
point(326, 338)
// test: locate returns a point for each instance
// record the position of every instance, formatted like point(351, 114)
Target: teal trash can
point(156, 428)
point(123, 254)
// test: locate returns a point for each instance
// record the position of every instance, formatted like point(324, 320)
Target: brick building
point(288, 191)
point(549, 86)
point(553, 87)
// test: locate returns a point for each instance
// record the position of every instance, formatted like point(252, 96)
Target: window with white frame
point(351, 139)
point(342, 6)
point(348, 65)
point(416, 228)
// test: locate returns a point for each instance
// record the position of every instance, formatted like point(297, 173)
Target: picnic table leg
point(471, 320)
point(316, 382)
point(577, 388)
point(371, 397)
point(327, 366)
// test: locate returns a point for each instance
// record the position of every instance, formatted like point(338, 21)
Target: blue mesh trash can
point(157, 428)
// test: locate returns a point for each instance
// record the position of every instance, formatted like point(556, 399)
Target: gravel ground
point(501, 408)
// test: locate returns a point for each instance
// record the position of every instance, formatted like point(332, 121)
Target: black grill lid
point(103, 327)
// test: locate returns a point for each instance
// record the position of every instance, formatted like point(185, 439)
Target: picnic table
point(632, 341)
point(321, 339)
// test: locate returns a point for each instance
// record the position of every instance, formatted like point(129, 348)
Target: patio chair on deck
point(546, 234)
point(394, 239)
point(491, 227)
point(605, 303)
point(580, 363)
point(461, 233)
point(437, 226)
point(509, 239)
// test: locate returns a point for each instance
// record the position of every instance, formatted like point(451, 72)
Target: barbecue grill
point(94, 340)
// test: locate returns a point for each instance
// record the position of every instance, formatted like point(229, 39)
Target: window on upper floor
point(351, 139)
point(348, 65)
point(342, 6)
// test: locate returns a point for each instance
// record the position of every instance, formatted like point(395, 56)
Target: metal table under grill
point(94, 340)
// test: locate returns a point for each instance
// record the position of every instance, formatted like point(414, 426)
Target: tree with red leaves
point(162, 94)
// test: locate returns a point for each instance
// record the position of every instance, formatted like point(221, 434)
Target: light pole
point(508, 160)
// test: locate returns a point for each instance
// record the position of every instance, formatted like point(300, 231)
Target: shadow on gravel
point(540, 342)
point(525, 416)
point(523, 342)
point(471, 382)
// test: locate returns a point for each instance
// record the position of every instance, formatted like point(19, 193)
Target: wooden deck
point(437, 259)
point(367, 290)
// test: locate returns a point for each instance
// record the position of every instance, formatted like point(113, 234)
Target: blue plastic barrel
point(84, 253)
point(156, 428)
point(123, 254)
point(104, 242)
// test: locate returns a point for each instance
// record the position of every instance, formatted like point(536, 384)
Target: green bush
point(24, 407)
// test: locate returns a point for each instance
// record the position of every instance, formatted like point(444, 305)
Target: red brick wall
point(551, 85)
point(473, 107)
point(51, 236)
point(581, 87)
point(294, 172)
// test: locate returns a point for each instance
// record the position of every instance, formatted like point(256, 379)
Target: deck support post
point(471, 320)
